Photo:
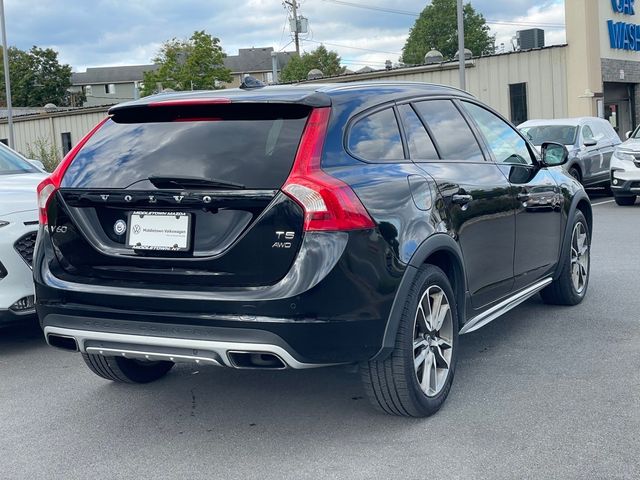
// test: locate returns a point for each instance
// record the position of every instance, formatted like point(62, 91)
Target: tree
point(328, 62)
point(437, 27)
point(192, 64)
point(37, 78)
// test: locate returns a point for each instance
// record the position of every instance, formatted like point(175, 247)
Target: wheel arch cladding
point(442, 251)
point(580, 203)
point(585, 207)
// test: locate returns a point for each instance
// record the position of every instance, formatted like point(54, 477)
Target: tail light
point(328, 203)
point(48, 187)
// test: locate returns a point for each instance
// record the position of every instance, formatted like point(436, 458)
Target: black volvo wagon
point(304, 226)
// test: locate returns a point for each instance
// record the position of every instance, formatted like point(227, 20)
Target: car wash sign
point(623, 35)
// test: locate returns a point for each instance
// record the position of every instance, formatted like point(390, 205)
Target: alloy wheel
point(579, 257)
point(433, 340)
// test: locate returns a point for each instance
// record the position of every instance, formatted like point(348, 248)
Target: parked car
point(19, 178)
point(625, 170)
point(590, 141)
point(304, 226)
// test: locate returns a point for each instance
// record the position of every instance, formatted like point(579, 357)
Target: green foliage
point(436, 27)
point(328, 62)
point(42, 149)
point(37, 78)
point(195, 63)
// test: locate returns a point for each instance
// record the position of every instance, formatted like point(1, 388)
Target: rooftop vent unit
point(531, 38)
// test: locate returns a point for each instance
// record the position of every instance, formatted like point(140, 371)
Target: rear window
point(10, 163)
point(565, 134)
point(249, 144)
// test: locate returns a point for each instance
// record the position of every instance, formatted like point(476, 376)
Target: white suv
point(625, 170)
point(19, 178)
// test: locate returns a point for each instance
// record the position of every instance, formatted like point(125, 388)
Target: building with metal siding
point(59, 128)
point(489, 79)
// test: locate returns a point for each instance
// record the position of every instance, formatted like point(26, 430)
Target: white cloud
point(120, 32)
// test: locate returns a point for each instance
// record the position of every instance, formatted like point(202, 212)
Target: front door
point(537, 199)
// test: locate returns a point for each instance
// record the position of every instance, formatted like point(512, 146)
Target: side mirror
point(628, 134)
point(590, 142)
point(554, 154)
point(38, 164)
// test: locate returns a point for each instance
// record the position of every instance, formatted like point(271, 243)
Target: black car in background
point(304, 226)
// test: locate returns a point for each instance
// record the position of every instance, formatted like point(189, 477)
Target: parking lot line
point(602, 203)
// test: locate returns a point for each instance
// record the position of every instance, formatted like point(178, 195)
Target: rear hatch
point(181, 195)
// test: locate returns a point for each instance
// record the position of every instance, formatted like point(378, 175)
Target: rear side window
point(376, 137)
point(418, 140)
point(249, 144)
point(452, 134)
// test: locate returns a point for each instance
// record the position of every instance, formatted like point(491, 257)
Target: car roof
point(572, 122)
point(313, 94)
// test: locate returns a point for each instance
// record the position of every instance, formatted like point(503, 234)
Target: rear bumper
point(332, 309)
point(149, 347)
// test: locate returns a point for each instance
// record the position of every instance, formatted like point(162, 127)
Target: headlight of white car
point(625, 157)
point(3, 223)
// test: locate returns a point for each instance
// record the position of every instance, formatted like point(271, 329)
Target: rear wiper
point(191, 182)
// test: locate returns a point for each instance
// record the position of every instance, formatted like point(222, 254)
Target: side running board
point(504, 306)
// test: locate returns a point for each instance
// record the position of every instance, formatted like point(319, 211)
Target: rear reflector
point(328, 203)
point(48, 187)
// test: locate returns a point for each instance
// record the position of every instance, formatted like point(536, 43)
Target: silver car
point(590, 141)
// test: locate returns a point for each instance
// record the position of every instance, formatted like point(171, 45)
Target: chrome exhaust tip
point(256, 360)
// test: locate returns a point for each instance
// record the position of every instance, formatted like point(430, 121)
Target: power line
point(353, 48)
point(416, 14)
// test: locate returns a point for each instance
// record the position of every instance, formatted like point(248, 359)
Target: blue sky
point(121, 32)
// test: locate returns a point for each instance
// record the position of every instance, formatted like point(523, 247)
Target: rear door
point(182, 195)
point(538, 219)
point(476, 194)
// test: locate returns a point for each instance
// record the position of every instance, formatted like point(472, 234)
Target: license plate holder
point(159, 231)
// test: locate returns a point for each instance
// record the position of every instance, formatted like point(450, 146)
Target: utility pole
point(294, 10)
point(7, 81)
point(461, 56)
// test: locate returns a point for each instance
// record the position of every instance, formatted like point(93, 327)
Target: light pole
point(461, 56)
point(7, 81)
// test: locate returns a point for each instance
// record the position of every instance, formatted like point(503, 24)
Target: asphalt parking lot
point(543, 392)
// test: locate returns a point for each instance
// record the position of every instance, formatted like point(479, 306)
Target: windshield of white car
point(11, 164)
point(564, 134)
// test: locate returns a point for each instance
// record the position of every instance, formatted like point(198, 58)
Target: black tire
point(575, 173)
point(562, 290)
point(126, 370)
point(626, 201)
point(392, 384)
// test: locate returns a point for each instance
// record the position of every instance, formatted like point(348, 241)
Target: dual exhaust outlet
point(240, 359)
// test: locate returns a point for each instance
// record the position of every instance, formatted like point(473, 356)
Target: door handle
point(461, 199)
